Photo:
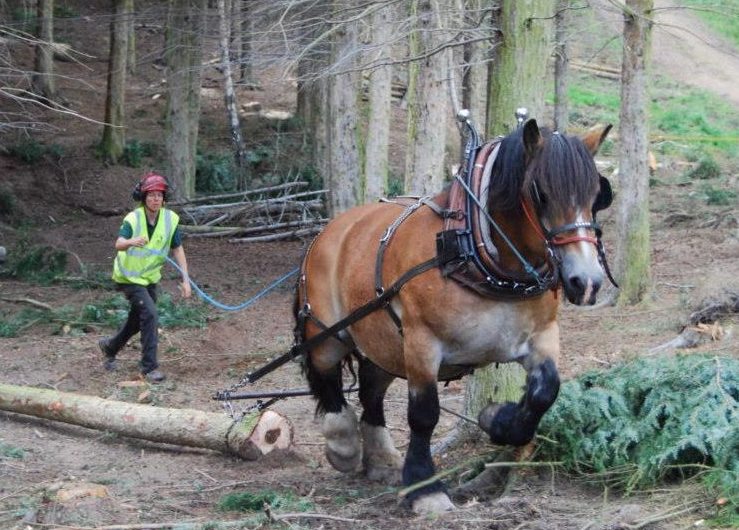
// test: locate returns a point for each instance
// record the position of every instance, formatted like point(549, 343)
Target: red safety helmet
point(154, 182)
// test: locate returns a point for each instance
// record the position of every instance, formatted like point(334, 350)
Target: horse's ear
point(595, 137)
point(532, 139)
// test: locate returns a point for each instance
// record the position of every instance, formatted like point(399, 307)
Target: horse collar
point(465, 247)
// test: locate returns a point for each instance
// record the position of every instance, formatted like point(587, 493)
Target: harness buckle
point(457, 215)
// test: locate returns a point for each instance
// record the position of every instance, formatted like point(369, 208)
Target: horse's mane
point(563, 170)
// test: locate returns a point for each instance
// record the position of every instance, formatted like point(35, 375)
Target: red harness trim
point(556, 240)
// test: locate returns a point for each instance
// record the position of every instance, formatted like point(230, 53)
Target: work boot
point(155, 376)
point(109, 362)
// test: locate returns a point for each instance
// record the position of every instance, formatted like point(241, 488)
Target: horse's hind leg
point(340, 427)
point(380, 459)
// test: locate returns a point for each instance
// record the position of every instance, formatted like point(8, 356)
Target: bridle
point(553, 237)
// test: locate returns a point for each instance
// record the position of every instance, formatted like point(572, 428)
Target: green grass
point(721, 15)
point(683, 120)
point(254, 502)
point(108, 312)
point(10, 451)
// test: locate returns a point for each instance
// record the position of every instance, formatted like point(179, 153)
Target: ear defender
point(136, 194)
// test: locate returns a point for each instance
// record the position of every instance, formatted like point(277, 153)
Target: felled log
point(257, 434)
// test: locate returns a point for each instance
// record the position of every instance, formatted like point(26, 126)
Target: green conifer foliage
point(652, 419)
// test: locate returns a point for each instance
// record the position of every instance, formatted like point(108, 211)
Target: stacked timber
point(264, 214)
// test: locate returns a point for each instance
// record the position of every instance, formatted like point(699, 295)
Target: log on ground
point(255, 435)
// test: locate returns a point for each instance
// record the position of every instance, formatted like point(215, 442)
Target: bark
point(312, 96)
point(131, 57)
point(428, 102)
point(344, 169)
point(43, 78)
point(255, 435)
point(519, 70)
point(183, 55)
point(229, 94)
point(245, 53)
point(633, 254)
point(475, 77)
point(561, 65)
point(114, 133)
point(378, 132)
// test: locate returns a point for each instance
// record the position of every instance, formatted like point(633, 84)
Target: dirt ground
point(148, 485)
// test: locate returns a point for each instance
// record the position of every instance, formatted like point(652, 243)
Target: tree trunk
point(245, 53)
point(255, 435)
point(43, 78)
point(237, 141)
point(312, 96)
point(345, 190)
point(561, 65)
point(378, 132)
point(475, 77)
point(519, 68)
point(183, 55)
point(114, 133)
point(428, 103)
point(632, 264)
point(131, 58)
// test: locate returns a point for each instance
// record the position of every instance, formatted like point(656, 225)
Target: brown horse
point(542, 194)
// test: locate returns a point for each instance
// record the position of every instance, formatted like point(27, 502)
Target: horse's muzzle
point(581, 288)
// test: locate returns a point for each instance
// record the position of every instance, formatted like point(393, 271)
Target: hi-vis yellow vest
point(143, 265)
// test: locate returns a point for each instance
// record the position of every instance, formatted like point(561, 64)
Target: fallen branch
point(275, 237)
point(29, 301)
point(242, 194)
point(284, 516)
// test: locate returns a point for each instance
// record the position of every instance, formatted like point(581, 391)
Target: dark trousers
point(142, 316)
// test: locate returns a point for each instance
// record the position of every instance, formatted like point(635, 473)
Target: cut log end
point(253, 437)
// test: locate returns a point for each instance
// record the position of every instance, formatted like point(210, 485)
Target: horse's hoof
point(341, 462)
point(487, 415)
point(388, 475)
point(499, 420)
point(381, 460)
point(341, 431)
point(433, 504)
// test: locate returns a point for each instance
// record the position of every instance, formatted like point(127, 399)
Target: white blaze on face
point(588, 251)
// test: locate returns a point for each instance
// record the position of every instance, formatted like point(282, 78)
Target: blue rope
point(218, 304)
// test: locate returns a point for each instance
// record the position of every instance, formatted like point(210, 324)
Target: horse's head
point(562, 190)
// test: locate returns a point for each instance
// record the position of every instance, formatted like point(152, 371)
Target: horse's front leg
point(423, 415)
point(516, 423)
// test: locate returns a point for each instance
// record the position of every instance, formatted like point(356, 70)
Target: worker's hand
point(138, 241)
point(185, 289)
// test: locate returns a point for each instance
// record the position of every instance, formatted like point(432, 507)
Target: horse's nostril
point(577, 282)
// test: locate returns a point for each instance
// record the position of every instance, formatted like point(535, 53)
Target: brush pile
point(653, 419)
point(265, 214)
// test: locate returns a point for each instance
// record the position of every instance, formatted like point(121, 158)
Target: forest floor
point(148, 485)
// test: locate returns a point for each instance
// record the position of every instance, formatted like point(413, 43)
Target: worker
point(144, 240)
